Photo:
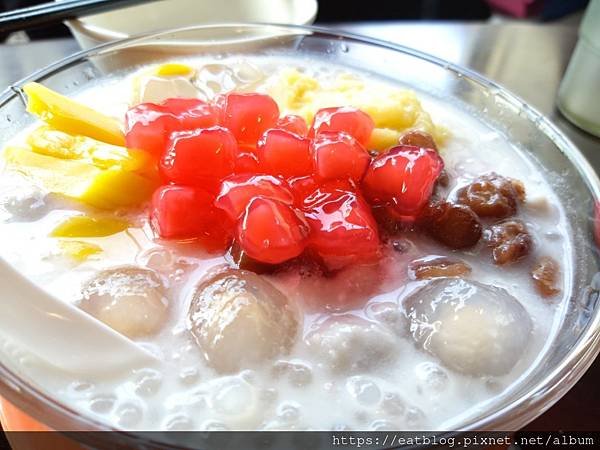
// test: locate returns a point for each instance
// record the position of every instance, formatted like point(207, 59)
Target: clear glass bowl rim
point(512, 416)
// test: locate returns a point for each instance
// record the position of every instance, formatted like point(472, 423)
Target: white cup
point(100, 28)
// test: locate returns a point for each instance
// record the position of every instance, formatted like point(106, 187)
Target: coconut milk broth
point(414, 391)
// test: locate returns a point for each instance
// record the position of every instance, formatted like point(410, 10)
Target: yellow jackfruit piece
point(77, 179)
point(67, 115)
point(383, 138)
point(392, 110)
point(86, 226)
point(78, 250)
point(46, 140)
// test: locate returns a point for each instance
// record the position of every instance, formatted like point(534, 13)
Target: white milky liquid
point(413, 391)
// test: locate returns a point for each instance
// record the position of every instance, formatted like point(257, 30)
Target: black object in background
point(53, 31)
point(376, 10)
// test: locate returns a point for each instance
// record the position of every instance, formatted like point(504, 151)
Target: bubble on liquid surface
point(80, 387)
point(147, 382)
point(349, 344)
point(432, 379)
point(472, 328)
point(384, 425)
point(289, 412)
point(179, 422)
point(214, 425)
point(189, 375)
point(102, 404)
point(156, 258)
point(233, 396)
point(129, 299)
point(405, 416)
point(364, 390)
point(296, 373)
point(393, 404)
point(128, 415)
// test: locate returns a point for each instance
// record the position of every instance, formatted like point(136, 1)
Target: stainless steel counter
point(527, 59)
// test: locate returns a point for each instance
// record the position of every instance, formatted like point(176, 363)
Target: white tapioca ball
point(349, 344)
point(240, 320)
point(471, 327)
point(129, 299)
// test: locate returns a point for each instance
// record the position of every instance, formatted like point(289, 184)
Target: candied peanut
point(510, 241)
point(519, 188)
point(453, 225)
point(418, 139)
point(492, 195)
point(437, 267)
point(545, 276)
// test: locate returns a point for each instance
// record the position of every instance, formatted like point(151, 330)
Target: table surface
point(528, 59)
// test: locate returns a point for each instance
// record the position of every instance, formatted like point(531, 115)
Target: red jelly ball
point(343, 230)
point(283, 153)
point(293, 124)
point(199, 157)
point(237, 191)
point(339, 155)
point(246, 161)
point(192, 113)
point(248, 116)
point(271, 231)
point(148, 125)
point(402, 178)
point(351, 120)
point(183, 212)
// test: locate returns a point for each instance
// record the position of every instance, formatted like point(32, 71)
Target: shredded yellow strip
point(70, 116)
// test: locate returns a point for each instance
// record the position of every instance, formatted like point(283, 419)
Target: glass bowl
point(578, 340)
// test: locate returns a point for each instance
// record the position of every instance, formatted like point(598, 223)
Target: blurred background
point(335, 11)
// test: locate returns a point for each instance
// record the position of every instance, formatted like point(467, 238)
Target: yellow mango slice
point(78, 250)
point(86, 226)
point(114, 188)
point(67, 115)
point(174, 70)
point(77, 179)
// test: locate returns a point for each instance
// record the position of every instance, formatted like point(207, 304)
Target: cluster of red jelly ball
point(234, 169)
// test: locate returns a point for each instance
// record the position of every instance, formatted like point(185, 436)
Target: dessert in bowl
point(356, 226)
